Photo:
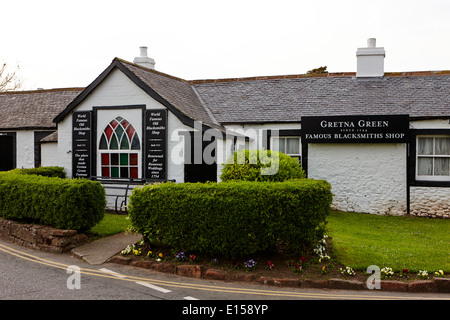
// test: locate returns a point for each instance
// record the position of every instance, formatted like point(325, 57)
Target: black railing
point(126, 185)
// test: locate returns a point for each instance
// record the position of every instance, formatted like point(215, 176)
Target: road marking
point(113, 273)
point(189, 298)
point(152, 286)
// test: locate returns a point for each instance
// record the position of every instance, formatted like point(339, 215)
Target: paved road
point(27, 274)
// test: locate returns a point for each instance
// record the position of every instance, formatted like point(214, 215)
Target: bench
point(123, 186)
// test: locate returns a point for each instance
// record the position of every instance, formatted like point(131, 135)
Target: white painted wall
point(49, 154)
point(25, 149)
point(367, 178)
point(118, 90)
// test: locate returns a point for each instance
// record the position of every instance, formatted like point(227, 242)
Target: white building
point(381, 139)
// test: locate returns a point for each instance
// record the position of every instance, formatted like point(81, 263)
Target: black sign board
point(356, 129)
point(81, 144)
point(156, 144)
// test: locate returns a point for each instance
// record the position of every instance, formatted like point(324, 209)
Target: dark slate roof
point(178, 95)
point(422, 95)
point(178, 92)
point(33, 109)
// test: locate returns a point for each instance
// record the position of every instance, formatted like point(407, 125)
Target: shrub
point(248, 165)
point(61, 203)
point(56, 172)
point(231, 218)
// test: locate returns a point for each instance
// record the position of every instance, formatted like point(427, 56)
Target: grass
point(360, 240)
point(111, 224)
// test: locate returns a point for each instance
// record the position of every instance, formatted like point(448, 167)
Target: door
point(196, 170)
point(7, 152)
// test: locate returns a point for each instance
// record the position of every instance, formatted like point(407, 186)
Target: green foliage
point(56, 172)
point(62, 203)
point(257, 165)
point(318, 70)
point(231, 218)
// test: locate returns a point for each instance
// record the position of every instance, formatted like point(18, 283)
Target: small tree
point(246, 165)
point(9, 80)
point(318, 70)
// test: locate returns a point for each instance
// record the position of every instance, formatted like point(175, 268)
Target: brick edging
point(436, 285)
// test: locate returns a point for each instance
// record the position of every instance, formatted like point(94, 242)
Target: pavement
point(100, 251)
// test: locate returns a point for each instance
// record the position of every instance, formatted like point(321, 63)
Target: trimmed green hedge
point(56, 172)
point(232, 218)
point(256, 165)
point(61, 203)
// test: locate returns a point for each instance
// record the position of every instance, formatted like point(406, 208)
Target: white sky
point(68, 44)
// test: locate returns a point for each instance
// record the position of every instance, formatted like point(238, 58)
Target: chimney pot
point(370, 60)
point(143, 51)
point(143, 59)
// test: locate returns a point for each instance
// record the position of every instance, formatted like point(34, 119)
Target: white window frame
point(293, 155)
point(430, 177)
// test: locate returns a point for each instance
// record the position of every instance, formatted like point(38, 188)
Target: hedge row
point(61, 203)
point(55, 172)
point(232, 218)
point(261, 165)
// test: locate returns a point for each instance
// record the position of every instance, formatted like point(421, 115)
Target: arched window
point(122, 145)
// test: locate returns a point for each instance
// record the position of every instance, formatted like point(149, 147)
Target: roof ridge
point(43, 90)
point(277, 77)
point(150, 70)
point(203, 104)
point(320, 75)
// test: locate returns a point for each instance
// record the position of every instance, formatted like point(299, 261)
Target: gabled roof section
point(33, 109)
point(175, 94)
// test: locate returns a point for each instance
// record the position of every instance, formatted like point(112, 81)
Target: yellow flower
point(160, 255)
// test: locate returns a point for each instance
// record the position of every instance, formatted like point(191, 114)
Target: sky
point(60, 44)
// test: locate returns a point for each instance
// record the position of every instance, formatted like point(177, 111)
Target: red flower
point(302, 259)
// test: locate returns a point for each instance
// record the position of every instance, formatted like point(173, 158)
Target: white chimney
point(144, 60)
point(370, 60)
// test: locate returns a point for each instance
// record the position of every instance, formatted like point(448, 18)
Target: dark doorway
point(200, 159)
point(38, 135)
point(7, 151)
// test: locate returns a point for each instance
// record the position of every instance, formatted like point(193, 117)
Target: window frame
point(431, 177)
point(120, 151)
point(293, 155)
point(137, 120)
point(425, 181)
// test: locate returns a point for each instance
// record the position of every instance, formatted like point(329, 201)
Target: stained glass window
point(121, 146)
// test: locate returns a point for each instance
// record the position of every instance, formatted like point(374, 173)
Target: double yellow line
point(204, 287)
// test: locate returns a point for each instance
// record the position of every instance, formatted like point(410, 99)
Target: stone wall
point(430, 202)
point(40, 237)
